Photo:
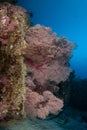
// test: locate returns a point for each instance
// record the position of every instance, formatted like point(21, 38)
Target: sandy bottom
point(69, 119)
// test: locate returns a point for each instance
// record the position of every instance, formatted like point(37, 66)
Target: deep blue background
point(65, 17)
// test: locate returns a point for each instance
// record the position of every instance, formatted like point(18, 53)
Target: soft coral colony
point(33, 62)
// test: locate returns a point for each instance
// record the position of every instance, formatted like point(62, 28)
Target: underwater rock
point(13, 24)
point(79, 94)
point(84, 117)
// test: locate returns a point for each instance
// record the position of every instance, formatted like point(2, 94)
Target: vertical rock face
point(13, 25)
point(13, 86)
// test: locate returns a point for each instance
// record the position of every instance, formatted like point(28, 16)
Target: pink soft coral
point(47, 59)
point(42, 105)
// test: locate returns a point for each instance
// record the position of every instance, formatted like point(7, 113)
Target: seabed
point(69, 119)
